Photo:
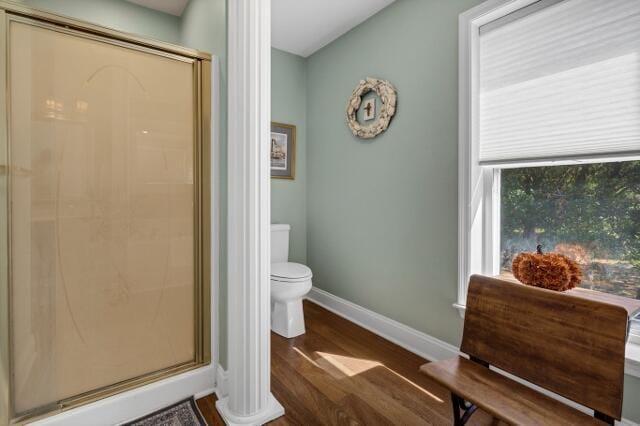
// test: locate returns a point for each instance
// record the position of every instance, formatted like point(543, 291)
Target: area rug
point(183, 413)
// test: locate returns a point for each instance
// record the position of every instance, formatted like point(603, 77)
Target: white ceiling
point(304, 26)
point(173, 7)
point(299, 26)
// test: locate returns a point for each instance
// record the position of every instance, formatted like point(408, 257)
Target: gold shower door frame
point(10, 12)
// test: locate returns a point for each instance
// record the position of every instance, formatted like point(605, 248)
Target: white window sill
point(460, 308)
point(632, 355)
point(632, 366)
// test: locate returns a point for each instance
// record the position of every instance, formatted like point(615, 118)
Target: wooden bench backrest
point(569, 345)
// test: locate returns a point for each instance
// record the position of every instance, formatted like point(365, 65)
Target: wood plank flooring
point(341, 374)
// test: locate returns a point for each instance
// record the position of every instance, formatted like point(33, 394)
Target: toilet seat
point(289, 272)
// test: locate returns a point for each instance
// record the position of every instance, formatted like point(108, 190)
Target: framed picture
point(369, 109)
point(283, 151)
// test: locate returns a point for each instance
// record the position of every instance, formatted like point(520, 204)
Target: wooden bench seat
point(502, 397)
point(570, 346)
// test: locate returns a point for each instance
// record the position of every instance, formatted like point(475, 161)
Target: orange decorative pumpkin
point(552, 271)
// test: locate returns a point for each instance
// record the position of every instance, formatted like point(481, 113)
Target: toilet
point(290, 282)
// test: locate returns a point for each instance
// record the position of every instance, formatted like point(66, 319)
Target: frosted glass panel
point(102, 214)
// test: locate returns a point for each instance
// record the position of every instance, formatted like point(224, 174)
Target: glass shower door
point(103, 213)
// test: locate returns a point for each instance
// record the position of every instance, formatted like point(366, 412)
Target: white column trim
point(249, 399)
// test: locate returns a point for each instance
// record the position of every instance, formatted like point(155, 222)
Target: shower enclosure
point(104, 212)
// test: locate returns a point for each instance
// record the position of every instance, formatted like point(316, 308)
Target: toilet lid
point(290, 271)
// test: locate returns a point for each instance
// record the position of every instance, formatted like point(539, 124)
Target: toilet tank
point(280, 243)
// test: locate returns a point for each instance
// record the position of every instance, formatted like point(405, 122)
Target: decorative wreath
point(387, 94)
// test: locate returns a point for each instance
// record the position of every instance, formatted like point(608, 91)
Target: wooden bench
point(571, 346)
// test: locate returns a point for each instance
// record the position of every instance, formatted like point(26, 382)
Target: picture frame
point(369, 108)
point(283, 151)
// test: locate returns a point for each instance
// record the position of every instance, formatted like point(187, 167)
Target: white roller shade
point(561, 82)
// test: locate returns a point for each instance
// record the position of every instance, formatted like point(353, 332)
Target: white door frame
point(249, 399)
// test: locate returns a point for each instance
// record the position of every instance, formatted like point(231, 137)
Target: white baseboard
point(421, 344)
point(138, 402)
point(415, 341)
point(222, 379)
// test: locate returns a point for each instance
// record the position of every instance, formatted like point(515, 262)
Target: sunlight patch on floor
point(349, 366)
point(418, 387)
point(303, 355)
point(341, 367)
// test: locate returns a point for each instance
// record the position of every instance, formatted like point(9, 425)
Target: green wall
point(631, 404)
point(117, 14)
point(382, 214)
point(289, 105)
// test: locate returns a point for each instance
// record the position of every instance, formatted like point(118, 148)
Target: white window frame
point(478, 186)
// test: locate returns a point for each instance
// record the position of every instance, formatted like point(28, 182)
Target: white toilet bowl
point(290, 282)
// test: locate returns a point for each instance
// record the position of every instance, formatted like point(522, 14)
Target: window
point(550, 138)
point(590, 213)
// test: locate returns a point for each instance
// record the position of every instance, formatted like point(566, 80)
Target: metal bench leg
point(607, 419)
point(455, 401)
point(467, 410)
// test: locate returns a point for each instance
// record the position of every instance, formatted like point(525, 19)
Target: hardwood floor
point(341, 374)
